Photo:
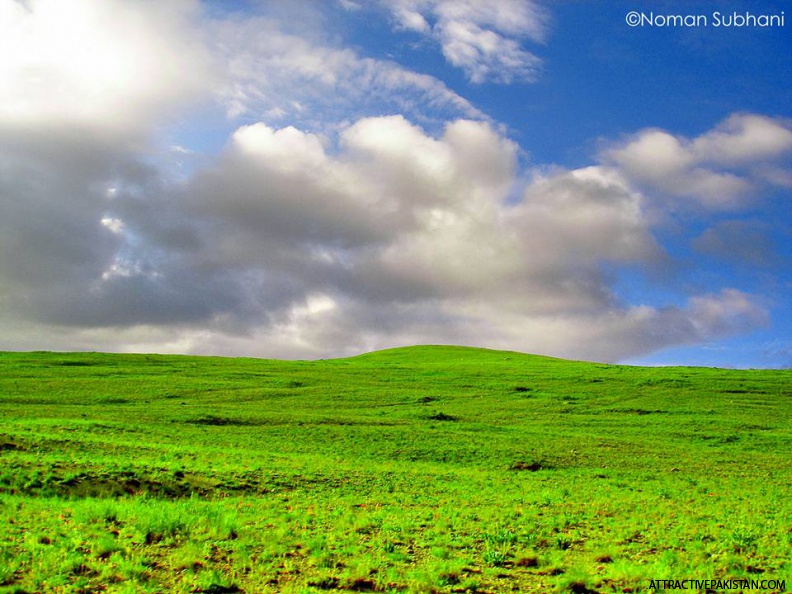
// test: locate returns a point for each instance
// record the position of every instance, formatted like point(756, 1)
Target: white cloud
point(118, 66)
point(731, 312)
point(115, 225)
point(288, 149)
point(409, 18)
point(346, 230)
point(485, 55)
point(272, 74)
point(349, 5)
point(744, 138)
point(617, 333)
point(481, 38)
point(104, 64)
point(722, 169)
point(292, 244)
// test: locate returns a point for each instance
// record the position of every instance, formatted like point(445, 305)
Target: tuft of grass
point(156, 523)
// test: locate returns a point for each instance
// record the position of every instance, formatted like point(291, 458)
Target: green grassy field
point(425, 469)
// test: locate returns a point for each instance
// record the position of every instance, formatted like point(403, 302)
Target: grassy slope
point(426, 469)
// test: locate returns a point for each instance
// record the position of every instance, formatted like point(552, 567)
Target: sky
point(605, 181)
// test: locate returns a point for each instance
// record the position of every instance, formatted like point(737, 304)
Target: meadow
point(421, 470)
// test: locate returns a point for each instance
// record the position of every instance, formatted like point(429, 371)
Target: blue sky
point(319, 179)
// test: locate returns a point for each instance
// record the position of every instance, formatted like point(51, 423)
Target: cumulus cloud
point(617, 333)
point(328, 237)
point(83, 86)
point(722, 169)
point(287, 246)
point(744, 138)
point(106, 65)
point(482, 38)
point(114, 66)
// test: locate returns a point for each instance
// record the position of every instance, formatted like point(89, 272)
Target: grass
point(425, 469)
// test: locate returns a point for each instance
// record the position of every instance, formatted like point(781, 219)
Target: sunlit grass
point(429, 469)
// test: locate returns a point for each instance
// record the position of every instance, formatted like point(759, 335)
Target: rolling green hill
point(422, 469)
